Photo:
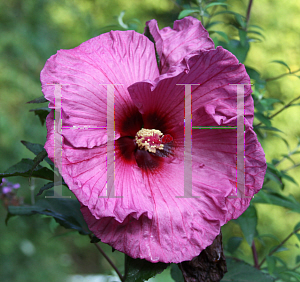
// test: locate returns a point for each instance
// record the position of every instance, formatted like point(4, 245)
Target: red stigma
point(166, 139)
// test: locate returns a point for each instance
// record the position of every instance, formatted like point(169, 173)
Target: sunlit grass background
point(33, 30)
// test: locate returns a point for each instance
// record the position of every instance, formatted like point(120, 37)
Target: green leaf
point(289, 178)
point(281, 261)
point(274, 174)
point(269, 102)
point(271, 263)
point(108, 28)
point(241, 20)
point(134, 24)
point(280, 249)
point(293, 274)
point(282, 63)
point(186, 13)
point(66, 212)
point(221, 33)
point(235, 47)
point(297, 226)
point(23, 168)
point(38, 100)
point(215, 40)
point(297, 233)
point(36, 149)
point(38, 159)
point(255, 75)
point(281, 273)
point(212, 24)
point(256, 32)
point(139, 270)
point(264, 119)
point(298, 104)
point(297, 259)
point(268, 128)
point(239, 271)
point(32, 147)
point(262, 197)
point(41, 113)
point(49, 186)
point(269, 236)
point(228, 12)
point(277, 199)
point(215, 4)
point(253, 39)
point(233, 244)
point(45, 187)
point(248, 222)
point(270, 175)
point(256, 26)
point(284, 140)
point(243, 36)
point(176, 273)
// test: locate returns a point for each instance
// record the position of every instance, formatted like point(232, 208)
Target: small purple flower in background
point(150, 221)
point(7, 193)
point(8, 187)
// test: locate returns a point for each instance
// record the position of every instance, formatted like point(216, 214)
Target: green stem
point(292, 167)
point(296, 267)
point(177, 4)
point(248, 13)
point(32, 187)
point(279, 111)
point(212, 13)
point(254, 252)
point(282, 75)
point(109, 260)
point(280, 245)
point(201, 11)
point(289, 154)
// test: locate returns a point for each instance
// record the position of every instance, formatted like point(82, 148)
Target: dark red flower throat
point(141, 143)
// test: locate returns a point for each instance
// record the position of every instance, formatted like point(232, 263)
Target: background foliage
point(33, 30)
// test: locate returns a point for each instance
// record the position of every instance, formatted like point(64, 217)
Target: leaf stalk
point(280, 245)
point(109, 260)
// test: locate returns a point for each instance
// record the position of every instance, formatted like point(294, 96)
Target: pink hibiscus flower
point(151, 220)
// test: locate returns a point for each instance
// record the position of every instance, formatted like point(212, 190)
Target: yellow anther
point(144, 137)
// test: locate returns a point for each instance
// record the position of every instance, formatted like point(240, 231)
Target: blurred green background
point(35, 249)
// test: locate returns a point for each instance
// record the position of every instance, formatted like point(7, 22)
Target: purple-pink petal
point(187, 37)
point(179, 227)
point(150, 219)
point(84, 72)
